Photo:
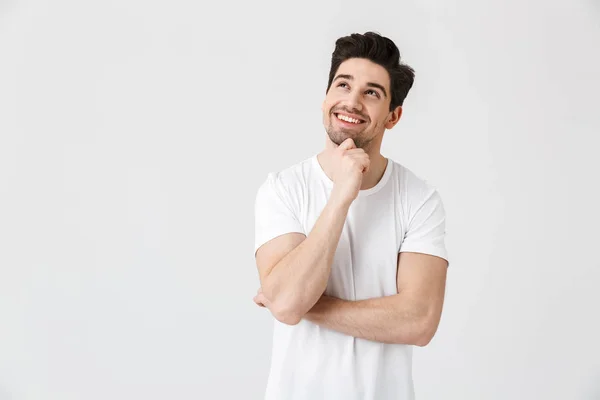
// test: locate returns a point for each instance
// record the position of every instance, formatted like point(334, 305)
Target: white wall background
point(134, 135)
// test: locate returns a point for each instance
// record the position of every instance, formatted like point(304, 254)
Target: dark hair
point(380, 50)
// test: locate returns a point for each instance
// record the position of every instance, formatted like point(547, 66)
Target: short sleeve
point(274, 212)
point(427, 227)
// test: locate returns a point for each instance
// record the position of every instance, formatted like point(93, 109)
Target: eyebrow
point(370, 84)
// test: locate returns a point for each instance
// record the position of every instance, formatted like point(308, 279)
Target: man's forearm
point(390, 319)
point(296, 283)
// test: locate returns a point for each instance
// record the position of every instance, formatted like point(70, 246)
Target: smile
point(348, 119)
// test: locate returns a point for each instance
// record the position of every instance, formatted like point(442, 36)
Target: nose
point(353, 102)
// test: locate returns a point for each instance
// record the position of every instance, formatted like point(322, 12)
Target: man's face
point(357, 103)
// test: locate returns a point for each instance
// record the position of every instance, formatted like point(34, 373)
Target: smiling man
point(350, 244)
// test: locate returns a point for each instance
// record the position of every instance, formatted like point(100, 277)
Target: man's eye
point(342, 85)
point(373, 93)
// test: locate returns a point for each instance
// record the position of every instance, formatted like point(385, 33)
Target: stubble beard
point(338, 136)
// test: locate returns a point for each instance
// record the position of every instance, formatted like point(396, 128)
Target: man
point(350, 245)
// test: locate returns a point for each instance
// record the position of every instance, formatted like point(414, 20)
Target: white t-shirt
point(401, 213)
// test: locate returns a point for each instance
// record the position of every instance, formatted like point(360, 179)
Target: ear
point(394, 117)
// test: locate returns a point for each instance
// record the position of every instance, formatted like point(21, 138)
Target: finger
point(352, 154)
point(363, 159)
point(347, 144)
point(355, 151)
point(364, 162)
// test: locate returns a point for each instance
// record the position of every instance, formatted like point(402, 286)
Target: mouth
point(348, 120)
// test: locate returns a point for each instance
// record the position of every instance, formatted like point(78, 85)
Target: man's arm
point(294, 269)
point(409, 317)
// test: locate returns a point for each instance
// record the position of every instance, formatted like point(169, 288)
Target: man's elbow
point(426, 333)
point(286, 314)
point(282, 305)
point(419, 332)
point(423, 340)
point(285, 310)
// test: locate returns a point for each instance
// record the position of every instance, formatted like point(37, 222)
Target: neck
point(376, 168)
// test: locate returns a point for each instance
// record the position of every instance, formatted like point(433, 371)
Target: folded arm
point(409, 317)
point(294, 269)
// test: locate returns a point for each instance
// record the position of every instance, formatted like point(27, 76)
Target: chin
point(338, 138)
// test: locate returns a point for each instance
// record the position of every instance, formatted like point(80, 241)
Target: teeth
point(348, 119)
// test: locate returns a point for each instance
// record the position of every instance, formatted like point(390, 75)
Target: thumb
point(347, 144)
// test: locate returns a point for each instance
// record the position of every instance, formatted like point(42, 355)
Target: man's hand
point(350, 165)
